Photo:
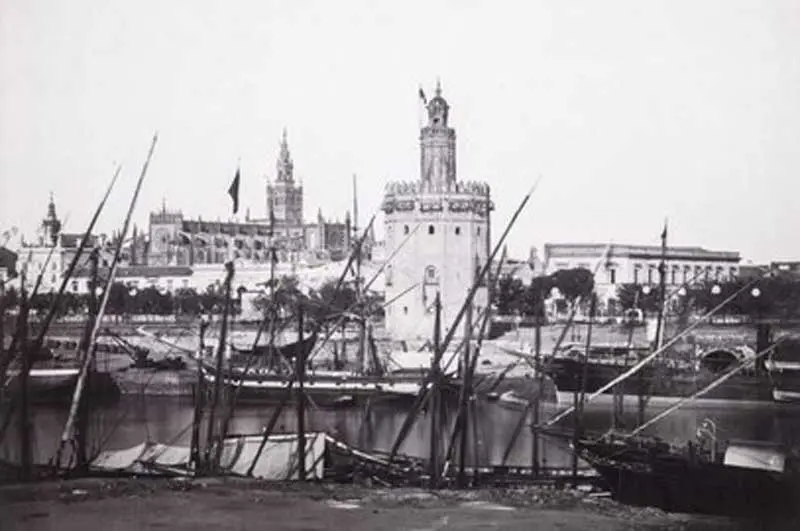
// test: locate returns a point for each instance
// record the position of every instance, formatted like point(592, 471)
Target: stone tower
point(451, 243)
point(285, 197)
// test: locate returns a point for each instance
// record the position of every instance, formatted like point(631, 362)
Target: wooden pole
point(199, 402)
point(218, 376)
point(466, 394)
point(24, 418)
point(433, 405)
point(300, 369)
point(82, 420)
point(79, 385)
point(579, 403)
point(539, 385)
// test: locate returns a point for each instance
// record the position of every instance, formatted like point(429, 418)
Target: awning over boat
point(277, 461)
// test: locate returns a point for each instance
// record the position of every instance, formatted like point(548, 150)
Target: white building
point(447, 226)
point(638, 264)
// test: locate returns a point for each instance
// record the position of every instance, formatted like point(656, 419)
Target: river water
point(137, 419)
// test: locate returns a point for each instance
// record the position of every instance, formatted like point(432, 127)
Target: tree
point(118, 299)
point(633, 296)
point(509, 295)
point(574, 283)
point(534, 296)
point(187, 300)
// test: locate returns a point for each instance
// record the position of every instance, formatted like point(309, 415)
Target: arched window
point(430, 229)
point(431, 276)
point(458, 231)
point(405, 310)
point(405, 229)
point(479, 231)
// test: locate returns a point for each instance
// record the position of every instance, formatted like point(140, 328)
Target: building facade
point(446, 225)
point(638, 264)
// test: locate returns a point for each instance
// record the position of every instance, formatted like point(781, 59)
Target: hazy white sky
point(631, 111)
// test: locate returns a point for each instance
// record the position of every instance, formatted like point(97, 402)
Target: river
point(136, 419)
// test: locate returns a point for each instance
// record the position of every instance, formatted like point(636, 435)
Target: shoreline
point(224, 503)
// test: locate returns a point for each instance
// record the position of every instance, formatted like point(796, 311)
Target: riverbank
point(128, 504)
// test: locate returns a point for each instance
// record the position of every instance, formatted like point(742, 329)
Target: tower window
point(479, 231)
point(458, 231)
point(430, 229)
point(430, 275)
point(405, 229)
point(405, 310)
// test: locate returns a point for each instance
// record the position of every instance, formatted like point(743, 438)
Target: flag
point(422, 96)
point(233, 191)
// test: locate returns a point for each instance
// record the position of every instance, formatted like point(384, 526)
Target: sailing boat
point(746, 480)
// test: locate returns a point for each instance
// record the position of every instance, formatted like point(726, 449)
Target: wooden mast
point(300, 369)
point(218, 376)
point(537, 338)
point(69, 425)
point(82, 419)
point(24, 417)
point(466, 394)
point(199, 401)
point(433, 404)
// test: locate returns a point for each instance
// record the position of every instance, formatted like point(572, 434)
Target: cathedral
point(441, 226)
point(175, 240)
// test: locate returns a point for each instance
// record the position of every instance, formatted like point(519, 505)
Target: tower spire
point(438, 87)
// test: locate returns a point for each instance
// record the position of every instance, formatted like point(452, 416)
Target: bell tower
point(285, 196)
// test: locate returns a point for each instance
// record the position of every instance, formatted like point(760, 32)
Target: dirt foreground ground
point(124, 505)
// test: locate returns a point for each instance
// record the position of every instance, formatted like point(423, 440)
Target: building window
point(169, 284)
point(405, 229)
point(458, 231)
point(612, 275)
point(430, 275)
point(636, 269)
point(650, 275)
point(405, 310)
point(388, 275)
point(430, 229)
point(185, 282)
point(75, 286)
point(479, 231)
point(732, 274)
point(674, 275)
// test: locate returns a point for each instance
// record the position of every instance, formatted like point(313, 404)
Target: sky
point(631, 112)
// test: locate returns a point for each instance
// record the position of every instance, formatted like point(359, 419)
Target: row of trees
point(773, 297)
point(512, 297)
point(123, 300)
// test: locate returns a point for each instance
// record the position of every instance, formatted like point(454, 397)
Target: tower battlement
point(426, 196)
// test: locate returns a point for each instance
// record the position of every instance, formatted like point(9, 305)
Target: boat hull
point(57, 386)
point(322, 390)
point(663, 386)
point(699, 488)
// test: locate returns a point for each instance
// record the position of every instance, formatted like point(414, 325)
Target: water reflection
point(135, 420)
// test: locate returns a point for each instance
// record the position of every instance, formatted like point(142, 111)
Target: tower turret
point(438, 143)
point(51, 225)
